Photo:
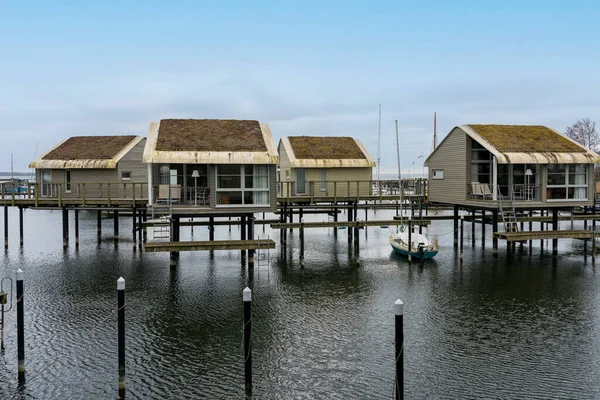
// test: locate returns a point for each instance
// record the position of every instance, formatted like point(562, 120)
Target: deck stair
point(509, 215)
point(161, 218)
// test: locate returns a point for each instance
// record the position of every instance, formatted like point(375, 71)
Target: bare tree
point(584, 132)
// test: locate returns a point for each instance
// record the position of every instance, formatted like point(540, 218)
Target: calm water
point(516, 328)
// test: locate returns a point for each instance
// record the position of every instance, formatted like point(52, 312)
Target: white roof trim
point(586, 157)
point(84, 164)
point(151, 155)
point(367, 162)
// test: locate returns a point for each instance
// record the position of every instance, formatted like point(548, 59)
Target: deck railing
point(80, 192)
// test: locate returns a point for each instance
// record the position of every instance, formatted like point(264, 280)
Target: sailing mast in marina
point(379, 152)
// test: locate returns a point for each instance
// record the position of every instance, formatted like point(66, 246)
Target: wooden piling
point(116, 224)
point(399, 349)
point(211, 228)
point(335, 219)
point(20, 328)
point(555, 227)
point(301, 241)
point(76, 228)
point(20, 226)
point(99, 223)
point(455, 219)
point(462, 225)
point(134, 228)
point(409, 238)
point(6, 227)
point(121, 334)
point(174, 233)
point(251, 237)
point(140, 227)
point(65, 226)
point(243, 236)
point(247, 297)
point(494, 229)
point(473, 227)
point(483, 226)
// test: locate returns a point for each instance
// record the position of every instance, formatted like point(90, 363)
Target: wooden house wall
point(451, 156)
point(132, 161)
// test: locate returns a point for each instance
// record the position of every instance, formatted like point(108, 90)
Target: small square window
point(437, 174)
point(125, 175)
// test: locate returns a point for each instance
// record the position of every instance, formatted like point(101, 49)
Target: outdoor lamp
point(195, 175)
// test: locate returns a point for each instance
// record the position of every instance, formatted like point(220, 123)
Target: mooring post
point(145, 232)
point(65, 226)
point(483, 227)
point(409, 238)
point(247, 296)
point(473, 227)
point(455, 226)
point(121, 334)
point(335, 219)
point(542, 229)
point(301, 242)
point(140, 227)
point(211, 228)
point(399, 347)
point(20, 327)
point(251, 237)
point(6, 227)
point(555, 228)
point(76, 228)
point(116, 224)
point(494, 230)
point(243, 235)
point(350, 214)
point(462, 225)
point(530, 228)
point(99, 223)
point(174, 234)
point(20, 226)
point(134, 228)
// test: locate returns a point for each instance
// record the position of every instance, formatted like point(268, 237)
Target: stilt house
point(209, 164)
point(495, 166)
point(92, 167)
point(324, 166)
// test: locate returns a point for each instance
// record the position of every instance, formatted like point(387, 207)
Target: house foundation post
point(494, 230)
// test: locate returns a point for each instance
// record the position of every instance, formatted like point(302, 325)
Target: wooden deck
point(209, 245)
point(537, 235)
point(333, 224)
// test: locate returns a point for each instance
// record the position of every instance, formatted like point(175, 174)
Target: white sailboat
point(406, 241)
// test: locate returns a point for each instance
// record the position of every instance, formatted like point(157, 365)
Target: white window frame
point(567, 185)
point(437, 174)
point(124, 178)
point(323, 185)
point(68, 181)
point(242, 189)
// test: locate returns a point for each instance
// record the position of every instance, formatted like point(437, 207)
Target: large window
point(567, 182)
point(68, 181)
point(243, 185)
point(481, 163)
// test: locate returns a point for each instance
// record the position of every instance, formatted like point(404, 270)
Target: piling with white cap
point(20, 327)
point(399, 344)
point(121, 334)
point(247, 296)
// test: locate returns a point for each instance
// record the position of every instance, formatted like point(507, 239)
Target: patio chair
point(485, 191)
point(163, 193)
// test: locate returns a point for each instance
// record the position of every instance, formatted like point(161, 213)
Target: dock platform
point(209, 245)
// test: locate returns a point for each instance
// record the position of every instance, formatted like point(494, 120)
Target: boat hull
point(415, 254)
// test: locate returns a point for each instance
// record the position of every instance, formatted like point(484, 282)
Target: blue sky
point(305, 67)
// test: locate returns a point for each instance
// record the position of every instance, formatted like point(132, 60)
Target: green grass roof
point(526, 139)
point(89, 148)
point(326, 148)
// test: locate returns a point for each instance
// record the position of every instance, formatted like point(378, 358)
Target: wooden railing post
point(109, 201)
point(60, 194)
point(83, 193)
point(357, 190)
point(36, 192)
point(133, 192)
point(312, 191)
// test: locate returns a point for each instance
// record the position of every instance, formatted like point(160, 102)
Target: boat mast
point(399, 172)
point(12, 175)
point(434, 132)
point(379, 151)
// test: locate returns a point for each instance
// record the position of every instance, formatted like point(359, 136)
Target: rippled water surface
point(513, 327)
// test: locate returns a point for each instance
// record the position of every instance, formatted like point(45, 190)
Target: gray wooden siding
point(451, 156)
point(284, 165)
point(132, 161)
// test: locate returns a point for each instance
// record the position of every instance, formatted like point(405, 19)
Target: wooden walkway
point(208, 245)
point(538, 235)
point(333, 224)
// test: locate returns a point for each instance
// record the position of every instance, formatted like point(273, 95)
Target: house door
point(300, 181)
point(46, 175)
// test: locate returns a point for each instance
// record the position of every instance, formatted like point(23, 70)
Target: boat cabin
point(210, 164)
point(529, 166)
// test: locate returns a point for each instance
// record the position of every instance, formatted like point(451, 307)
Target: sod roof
point(331, 147)
point(210, 135)
point(526, 139)
point(89, 148)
